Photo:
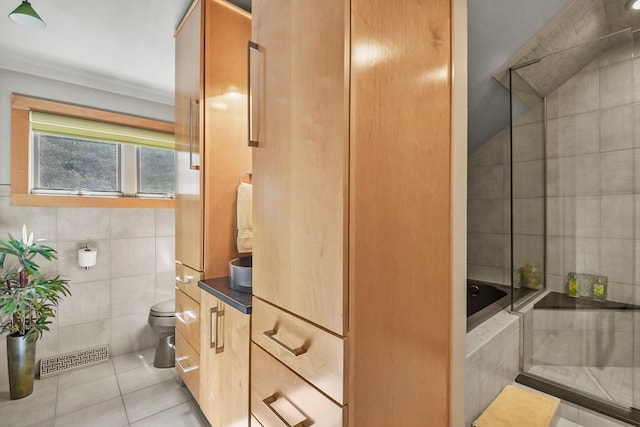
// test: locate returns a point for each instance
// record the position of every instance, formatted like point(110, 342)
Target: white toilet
point(163, 322)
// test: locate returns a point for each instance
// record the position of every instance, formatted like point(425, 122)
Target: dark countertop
point(220, 289)
point(558, 301)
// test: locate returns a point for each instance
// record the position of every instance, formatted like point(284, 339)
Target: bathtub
point(484, 300)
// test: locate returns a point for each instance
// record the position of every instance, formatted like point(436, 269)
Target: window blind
point(88, 129)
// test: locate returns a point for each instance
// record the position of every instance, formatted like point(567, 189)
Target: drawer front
point(280, 397)
point(187, 281)
point(188, 365)
point(188, 319)
point(313, 353)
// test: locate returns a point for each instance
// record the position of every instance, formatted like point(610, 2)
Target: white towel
point(245, 218)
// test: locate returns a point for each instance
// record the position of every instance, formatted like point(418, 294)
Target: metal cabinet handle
point(185, 370)
point(269, 401)
point(292, 351)
point(182, 317)
point(215, 342)
point(185, 281)
point(252, 142)
point(193, 102)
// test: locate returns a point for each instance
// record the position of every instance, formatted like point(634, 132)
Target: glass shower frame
point(591, 349)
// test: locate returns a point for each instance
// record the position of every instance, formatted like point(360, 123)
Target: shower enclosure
point(575, 222)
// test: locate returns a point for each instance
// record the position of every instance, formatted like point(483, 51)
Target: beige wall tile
point(485, 249)
point(617, 260)
point(528, 216)
point(83, 224)
point(86, 335)
point(528, 179)
point(561, 255)
point(40, 221)
point(485, 182)
point(485, 216)
point(617, 128)
point(165, 286)
point(132, 257)
point(615, 82)
point(573, 135)
point(617, 172)
point(132, 295)
point(617, 213)
point(165, 222)
point(579, 94)
point(127, 223)
point(165, 254)
point(586, 216)
point(89, 302)
point(528, 142)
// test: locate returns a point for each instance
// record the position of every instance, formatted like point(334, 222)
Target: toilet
point(163, 322)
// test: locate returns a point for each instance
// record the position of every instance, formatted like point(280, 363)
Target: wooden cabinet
point(300, 196)
point(352, 209)
point(211, 150)
point(224, 382)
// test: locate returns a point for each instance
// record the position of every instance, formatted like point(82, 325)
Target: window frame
point(21, 107)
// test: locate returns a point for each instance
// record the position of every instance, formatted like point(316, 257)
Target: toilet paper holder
point(87, 257)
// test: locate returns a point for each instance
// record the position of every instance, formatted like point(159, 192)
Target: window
point(64, 153)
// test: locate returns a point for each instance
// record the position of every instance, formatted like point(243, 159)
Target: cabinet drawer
point(315, 354)
point(255, 422)
point(188, 319)
point(280, 397)
point(188, 365)
point(187, 281)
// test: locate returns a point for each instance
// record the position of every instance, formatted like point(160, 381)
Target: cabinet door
point(224, 357)
point(300, 167)
point(189, 201)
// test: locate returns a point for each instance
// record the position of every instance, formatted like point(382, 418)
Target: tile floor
point(125, 391)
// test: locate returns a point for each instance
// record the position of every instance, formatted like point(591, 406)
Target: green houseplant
point(28, 300)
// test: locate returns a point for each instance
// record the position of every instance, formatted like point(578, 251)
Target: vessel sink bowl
point(240, 274)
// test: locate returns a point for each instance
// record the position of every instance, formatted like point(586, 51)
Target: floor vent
point(55, 365)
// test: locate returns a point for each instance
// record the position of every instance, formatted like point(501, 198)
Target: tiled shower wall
point(593, 184)
point(593, 175)
point(488, 227)
point(110, 302)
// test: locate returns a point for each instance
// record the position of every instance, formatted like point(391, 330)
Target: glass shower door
point(581, 326)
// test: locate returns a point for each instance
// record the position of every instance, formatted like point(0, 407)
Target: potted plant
point(27, 305)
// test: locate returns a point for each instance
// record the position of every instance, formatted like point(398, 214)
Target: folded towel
point(518, 407)
point(245, 218)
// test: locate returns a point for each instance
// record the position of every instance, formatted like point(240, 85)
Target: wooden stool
point(518, 407)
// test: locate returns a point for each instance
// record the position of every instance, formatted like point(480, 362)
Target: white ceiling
point(123, 46)
point(127, 46)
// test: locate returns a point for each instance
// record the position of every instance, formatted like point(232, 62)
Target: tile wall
point(492, 361)
point(488, 228)
point(110, 302)
point(593, 184)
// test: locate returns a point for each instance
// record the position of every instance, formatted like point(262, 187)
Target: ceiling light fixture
point(632, 4)
point(25, 15)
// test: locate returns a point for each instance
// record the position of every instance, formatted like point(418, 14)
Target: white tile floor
point(125, 391)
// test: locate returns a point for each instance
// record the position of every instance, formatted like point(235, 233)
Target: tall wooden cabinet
point(352, 212)
point(211, 154)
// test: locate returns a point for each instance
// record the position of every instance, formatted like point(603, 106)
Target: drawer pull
point(185, 370)
point(184, 280)
point(292, 351)
point(269, 401)
point(183, 317)
point(216, 342)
